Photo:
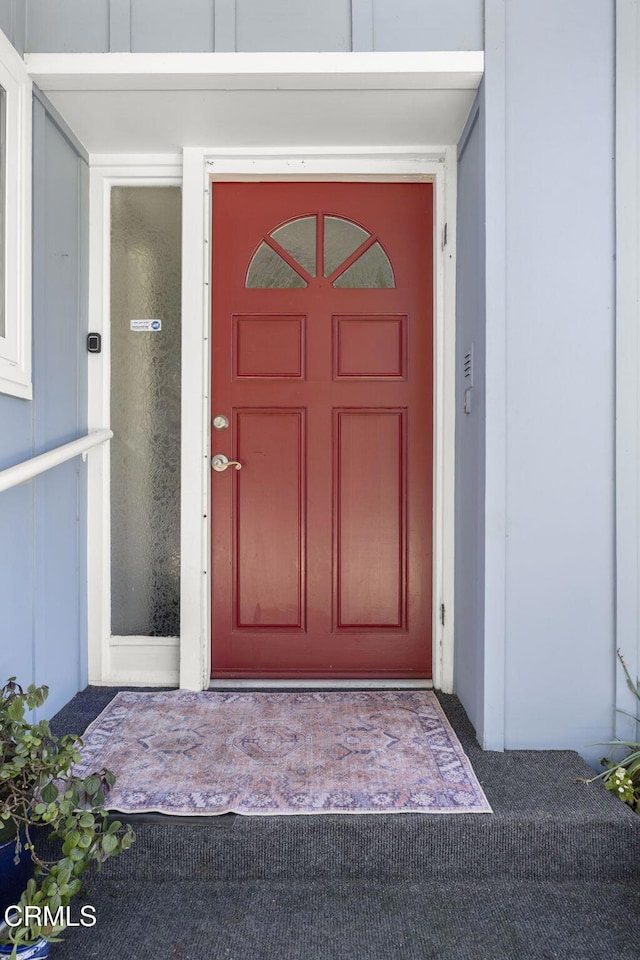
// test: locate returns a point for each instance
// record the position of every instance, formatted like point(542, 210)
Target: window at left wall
point(15, 223)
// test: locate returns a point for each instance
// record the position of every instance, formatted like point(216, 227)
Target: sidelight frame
point(114, 660)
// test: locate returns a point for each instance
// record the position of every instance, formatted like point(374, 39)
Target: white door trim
point(201, 166)
point(142, 661)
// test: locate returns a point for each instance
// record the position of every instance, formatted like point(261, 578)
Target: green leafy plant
point(623, 777)
point(41, 797)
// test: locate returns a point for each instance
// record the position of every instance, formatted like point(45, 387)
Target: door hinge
point(442, 614)
point(444, 235)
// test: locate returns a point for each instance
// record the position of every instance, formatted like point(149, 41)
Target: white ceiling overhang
point(160, 103)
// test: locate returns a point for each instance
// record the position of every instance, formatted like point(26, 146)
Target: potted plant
point(623, 776)
point(16, 866)
point(54, 818)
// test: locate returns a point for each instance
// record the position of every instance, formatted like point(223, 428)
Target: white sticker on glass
point(146, 325)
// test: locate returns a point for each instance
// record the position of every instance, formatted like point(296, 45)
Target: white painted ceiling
point(159, 103)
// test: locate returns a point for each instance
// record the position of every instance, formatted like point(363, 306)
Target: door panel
point(268, 347)
point(269, 513)
point(369, 508)
point(322, 364)
point(369, 348)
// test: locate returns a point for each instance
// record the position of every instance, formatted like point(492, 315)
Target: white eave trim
point(433, 70)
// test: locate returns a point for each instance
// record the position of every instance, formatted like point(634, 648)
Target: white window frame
point(15, 345)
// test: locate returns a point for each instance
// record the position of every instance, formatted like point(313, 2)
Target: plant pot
point(13, 877)
point(27, 951)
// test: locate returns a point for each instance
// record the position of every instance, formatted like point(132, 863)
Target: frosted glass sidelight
point(298, 238)
point(372, 269)
point(268, 269)
point(145, 412)
point(341, 238)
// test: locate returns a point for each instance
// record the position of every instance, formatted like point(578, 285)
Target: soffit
point(159, 103)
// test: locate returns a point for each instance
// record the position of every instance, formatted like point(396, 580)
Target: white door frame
point(203, 166)
point(186, 660)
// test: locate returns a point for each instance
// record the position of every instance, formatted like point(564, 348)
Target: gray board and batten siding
point(43, 522)
point(560, 349)
point(541, 664)
point(146, 26)
point(548, 650)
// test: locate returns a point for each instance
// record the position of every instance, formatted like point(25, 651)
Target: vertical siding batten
point(362, 25)
point(470, 466)
point(82, 411)
point(491, 725)
point(224, 31)
point(19, 25)
point(119, 26)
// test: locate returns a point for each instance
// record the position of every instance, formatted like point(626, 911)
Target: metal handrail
point(29, 469)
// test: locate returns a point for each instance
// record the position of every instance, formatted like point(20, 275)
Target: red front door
point(322, 366)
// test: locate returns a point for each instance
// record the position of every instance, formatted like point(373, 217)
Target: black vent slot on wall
point(467, 373)
point(468, 368)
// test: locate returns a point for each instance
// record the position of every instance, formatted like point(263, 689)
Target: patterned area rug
point(281, 753)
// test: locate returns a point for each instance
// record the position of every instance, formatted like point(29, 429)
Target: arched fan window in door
point(297, 252)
